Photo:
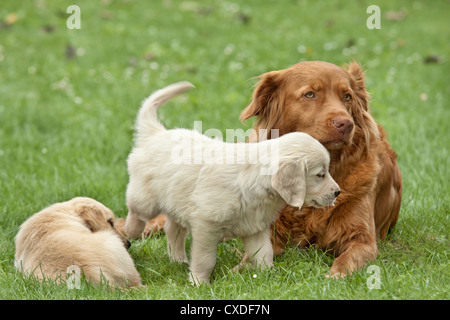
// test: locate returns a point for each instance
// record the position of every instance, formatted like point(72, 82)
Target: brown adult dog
point(331, 104)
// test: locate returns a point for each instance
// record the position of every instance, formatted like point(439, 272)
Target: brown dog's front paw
point(151, 227)
point(335, 275)
point(154, 226)
point(339, 270)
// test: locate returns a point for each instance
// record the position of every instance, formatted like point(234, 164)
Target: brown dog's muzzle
point(343, 125)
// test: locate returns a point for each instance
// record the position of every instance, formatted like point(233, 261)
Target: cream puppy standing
point(216, 189)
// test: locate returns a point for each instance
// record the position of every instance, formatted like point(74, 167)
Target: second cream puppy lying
point(78, 234)
point(215, 189)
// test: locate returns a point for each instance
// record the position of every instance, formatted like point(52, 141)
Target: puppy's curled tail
point(147, 122)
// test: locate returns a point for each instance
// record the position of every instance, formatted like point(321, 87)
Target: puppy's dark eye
point(111, 223)
point(347, 97)
point(320, 175)
point(310, 95)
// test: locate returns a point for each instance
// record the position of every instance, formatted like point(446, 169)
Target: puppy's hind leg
point(176, 236)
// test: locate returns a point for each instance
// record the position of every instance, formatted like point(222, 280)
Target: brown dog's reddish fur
point(331, 104)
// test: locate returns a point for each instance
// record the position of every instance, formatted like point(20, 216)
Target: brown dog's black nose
point(127, 244)
point(336, 193)
point(343, 125)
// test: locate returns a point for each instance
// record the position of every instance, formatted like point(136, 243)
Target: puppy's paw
point(198, 280)
point(179, 259)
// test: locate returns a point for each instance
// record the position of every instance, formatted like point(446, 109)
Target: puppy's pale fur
point(80, 233)
point(226, 197)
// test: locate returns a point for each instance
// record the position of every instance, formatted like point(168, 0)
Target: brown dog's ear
point(360, 109)
point(267, 101)
point(289, 181)
point(359, 84)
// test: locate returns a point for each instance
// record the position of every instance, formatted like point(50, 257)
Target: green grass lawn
point(69, 98)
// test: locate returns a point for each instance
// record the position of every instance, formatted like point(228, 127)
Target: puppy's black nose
point(336, 193)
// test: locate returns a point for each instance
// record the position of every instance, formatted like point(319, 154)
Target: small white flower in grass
point(301, 49)
point(229, 49)
point(329, 46)
point(81, 52)
point(154, 65)
point(78, 100)
point(233, 66)
point(31, 70)
point(255, 276)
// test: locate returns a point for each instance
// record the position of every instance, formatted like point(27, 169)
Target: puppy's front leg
point(203, 256)
point(259, 249)
point(134, 225)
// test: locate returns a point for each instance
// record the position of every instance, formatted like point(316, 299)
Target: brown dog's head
point(315, 97)
point(96, 216)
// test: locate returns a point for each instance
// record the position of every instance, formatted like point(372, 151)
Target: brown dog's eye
point(111, 223)
point(310, 95)
point(347, 97)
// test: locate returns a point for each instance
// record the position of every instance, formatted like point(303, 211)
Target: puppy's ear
point(289, 181)
point(92, 217)
point(267, 101)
